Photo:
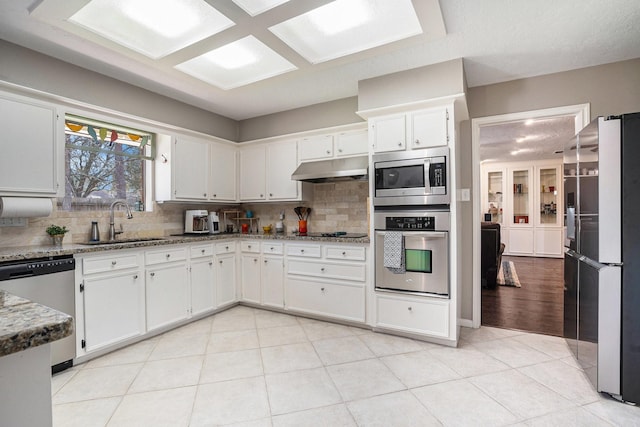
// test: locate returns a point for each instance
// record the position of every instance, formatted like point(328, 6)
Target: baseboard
point(465, 323)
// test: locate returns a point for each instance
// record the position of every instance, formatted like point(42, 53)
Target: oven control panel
point(427, 223)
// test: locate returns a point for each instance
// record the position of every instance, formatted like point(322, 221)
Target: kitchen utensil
point(298, 211)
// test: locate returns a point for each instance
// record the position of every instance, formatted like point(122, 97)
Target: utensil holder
point(302, 226)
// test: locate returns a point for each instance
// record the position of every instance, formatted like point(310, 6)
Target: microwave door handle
point(427, 179)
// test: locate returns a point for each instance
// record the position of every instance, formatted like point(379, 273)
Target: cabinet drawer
point(165, 255)
point(422, 317)
point(330, 270)
point(343, 252)
point(201, 251)
point(225, 248)
point(111, 262)
point(327, 299)
point(272, 248)
point(312, 251)
point(250, 246)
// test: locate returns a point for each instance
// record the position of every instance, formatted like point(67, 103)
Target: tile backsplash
point(340, 206)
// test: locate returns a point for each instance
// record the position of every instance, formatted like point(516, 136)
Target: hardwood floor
point(535, 307)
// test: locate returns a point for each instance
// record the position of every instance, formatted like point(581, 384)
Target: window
point(104, 162)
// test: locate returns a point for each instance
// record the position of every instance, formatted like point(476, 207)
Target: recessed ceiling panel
point(344, 27)
point(237, 64)
point(152, 28)
point(256, 7)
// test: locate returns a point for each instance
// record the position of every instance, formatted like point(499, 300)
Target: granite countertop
point(29, 252)
point(25, 324)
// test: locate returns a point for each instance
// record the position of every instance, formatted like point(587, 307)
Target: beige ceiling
point(499, 40)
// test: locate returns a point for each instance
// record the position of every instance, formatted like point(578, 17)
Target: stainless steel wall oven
point(412, 251)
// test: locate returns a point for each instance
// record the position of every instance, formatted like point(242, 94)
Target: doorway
point(526, 148)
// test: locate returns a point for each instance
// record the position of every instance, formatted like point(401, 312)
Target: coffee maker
point(196, 221)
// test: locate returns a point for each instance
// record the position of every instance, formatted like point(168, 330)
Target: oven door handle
point(427, 179)
point(428, 234)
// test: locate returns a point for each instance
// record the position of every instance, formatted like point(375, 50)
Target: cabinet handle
point(417, 142)
point(152, 274)
point(339, 150)
point(255, 260)
point(322, 289)
point(135, 276)
point(322, 269)
point(399, 144)
point(328, 152)
point(271, 248)
point(220, 261)
point(210, 262)
point(409, 308)
point(249, 246)
point(215, 195)
point(265, 261)
point(114, 262)
point(226, 247)
point(301, 251)
point(344, 254)
point(168, 256)
point(205, 194)
point(270, 194)
point(262, 195)
point(202, 251)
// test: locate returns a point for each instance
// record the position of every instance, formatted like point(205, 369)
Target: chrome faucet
point(112, 226)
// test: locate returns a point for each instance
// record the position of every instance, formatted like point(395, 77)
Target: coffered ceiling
point(499, 40)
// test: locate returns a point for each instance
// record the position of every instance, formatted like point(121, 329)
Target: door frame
point(582, 115)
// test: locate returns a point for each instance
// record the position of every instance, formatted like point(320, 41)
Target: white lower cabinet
point(226, 279)
point(262, 271)
point(167, 295)
point(413, 315)
point(318, 285)
point(250, 277)
point(202, 278)
point(106, 282)
point(272, 284)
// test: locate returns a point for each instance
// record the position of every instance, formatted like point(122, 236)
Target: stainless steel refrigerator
point(602, 253)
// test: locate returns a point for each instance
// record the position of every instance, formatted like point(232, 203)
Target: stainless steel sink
point(124, 241)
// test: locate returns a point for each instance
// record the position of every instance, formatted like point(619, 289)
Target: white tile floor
point(249, 367)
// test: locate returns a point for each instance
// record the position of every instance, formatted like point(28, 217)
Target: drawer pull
point(265, 261)
point(168, 256)
point(322, 289)
point(135, 276)
point(220, 261)
point(210, 263)
point(226, 248)
point(399, 144)
point(328, 152)
point(301, 251)
point(417, 142)
point(114, 262)
point(322, 269)
point(344, 254)
point(409, 308)
point(152, 274)
point(249, 246)
point(255, 260)
point(271, 249)
point(202, 251)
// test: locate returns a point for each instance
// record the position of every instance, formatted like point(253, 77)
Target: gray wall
point(31, 69)
point(609, 89)
point(317, 116)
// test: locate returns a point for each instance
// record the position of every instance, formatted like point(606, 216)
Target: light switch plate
point(464, 195)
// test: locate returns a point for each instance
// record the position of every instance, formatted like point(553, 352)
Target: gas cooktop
point(339, 234)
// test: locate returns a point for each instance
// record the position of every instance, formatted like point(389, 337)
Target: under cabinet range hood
point(351, 168)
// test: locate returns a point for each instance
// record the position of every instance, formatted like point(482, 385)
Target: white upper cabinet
point(28, 135)
point(411, 130)
point(429, 128)
point(191, 160)
point(265, 172)
point(224, 173)
point(281, 163)
point(195, 169)
point(352, 143)
point(252, 173)
point(389, 133)
point(316, 147)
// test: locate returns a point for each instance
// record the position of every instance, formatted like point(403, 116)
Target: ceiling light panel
point(256, 7)
point(242, 62)
point(150, 27)
point(344, 27)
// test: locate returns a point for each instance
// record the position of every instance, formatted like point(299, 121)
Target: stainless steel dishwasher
point(47, 281)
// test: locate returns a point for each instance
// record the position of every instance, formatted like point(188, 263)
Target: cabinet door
point(316, 147)
point(167, 295)
point(522, 200)
point(281, 163)
point(250, 278)
point(223, 173)
point(113, 308)
point(252, 173)
point(429, 128)
point(493, 193)
point(352, 143)
point(28, 135)
point(190, 169)
point(273, 281)
point(226, 280)
point(389, 133)
point(548, 186)
point(344, 302)
point(202, 286)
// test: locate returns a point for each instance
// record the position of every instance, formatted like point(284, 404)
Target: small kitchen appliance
point(418, 177)
point(214, 223)
point(196, 221)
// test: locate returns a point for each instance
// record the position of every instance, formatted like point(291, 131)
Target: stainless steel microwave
point(418, 177)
